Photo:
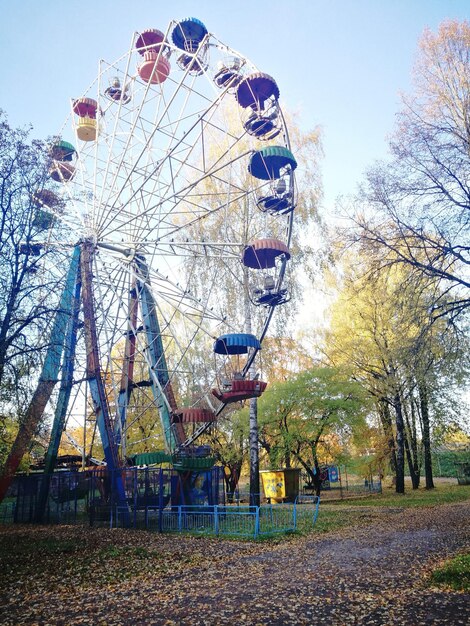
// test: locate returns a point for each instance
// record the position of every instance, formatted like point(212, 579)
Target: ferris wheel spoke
point(172, 194)
point(181, 193)
point(170, 149)
point(119, 166)
point(147, 135)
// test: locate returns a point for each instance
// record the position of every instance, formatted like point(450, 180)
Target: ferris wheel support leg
point(127, 375)
point(66, 383)
point(164, 400)
point(95, 378)
point(47, 379)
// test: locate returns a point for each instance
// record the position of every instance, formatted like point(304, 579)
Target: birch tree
point(416, 207)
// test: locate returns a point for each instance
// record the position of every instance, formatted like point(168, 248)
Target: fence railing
point(309, 513)
point(7, 512)
point(231, 520)
point(154, 500)
point(350, 490)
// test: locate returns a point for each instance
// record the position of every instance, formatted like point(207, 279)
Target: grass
point(96, 558)
point(48, 546)
point(329, 520)
point(454, 574)
point(336, 515)
point(442, 494)
point(332, 518)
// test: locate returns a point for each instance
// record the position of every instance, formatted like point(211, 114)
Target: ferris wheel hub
point(126, 251)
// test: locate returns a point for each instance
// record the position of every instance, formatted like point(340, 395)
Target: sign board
point(333, 474)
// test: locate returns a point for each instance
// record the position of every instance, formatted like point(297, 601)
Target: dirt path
point(371, 576)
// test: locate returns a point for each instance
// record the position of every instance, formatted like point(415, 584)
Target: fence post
point(295, 514)
point(180, 518)
point(135, 486)
point(315, 514)
point(160, 501)
point(256, 522)
point(77, 487)
point(216, 520)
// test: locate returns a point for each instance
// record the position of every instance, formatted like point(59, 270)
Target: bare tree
point(416, 209)
point(27, 296)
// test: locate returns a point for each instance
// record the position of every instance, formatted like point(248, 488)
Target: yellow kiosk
point(280, 485)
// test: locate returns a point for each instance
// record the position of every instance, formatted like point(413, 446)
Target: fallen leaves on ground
point(373, 572)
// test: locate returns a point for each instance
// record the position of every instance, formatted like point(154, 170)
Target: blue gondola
point(188, 34)
point(237, 388)
point(236, 343)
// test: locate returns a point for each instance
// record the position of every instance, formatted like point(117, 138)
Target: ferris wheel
point(172, 192)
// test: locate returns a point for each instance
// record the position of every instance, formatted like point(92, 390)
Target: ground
point(374, 572)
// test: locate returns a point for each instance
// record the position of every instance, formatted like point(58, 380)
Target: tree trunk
point(413, 474)
point(47, 379)
point(285, 438)
point(411, 446)
point(25, 433)
point(231, 479)
point(400, 449)
point(386, 420)
point(254, 455)
point(312, 473)
point(5, 327)
point(423, 399)
point(414, 444)
point(255, 499)
point(316, 477)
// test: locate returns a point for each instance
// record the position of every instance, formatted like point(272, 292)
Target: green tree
point(228, 441)
point(381, 328)
point(299, 415)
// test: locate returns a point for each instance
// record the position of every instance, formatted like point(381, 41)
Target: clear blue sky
point(341, 62)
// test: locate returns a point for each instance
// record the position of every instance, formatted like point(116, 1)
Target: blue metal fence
point(233, 521)
point(307, 508)
point(7, 512)
point(155, 501)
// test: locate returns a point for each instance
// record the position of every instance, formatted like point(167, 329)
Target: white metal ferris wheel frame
point(155, 165)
